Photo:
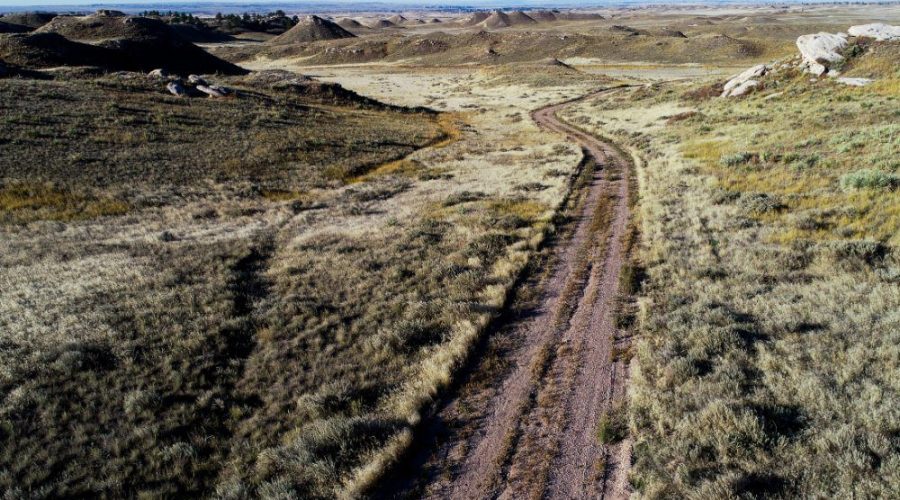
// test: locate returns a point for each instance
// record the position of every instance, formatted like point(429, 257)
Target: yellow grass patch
point(888, 87)
point(708, 151)
point(775, 181)
point(450, 127)
point(404, 166)
point(288, 195)
point(20, 203)
point(861, 215)
point(528, 210)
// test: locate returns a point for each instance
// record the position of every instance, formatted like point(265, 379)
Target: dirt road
point(532, 431)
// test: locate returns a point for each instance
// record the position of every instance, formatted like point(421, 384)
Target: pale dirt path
point(483, 461)
point(588, 379)
point(574, 472)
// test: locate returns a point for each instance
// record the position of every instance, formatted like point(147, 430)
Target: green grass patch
point(869, 179)
point(611, 428)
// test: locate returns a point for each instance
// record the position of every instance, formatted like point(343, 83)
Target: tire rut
point(536, 433)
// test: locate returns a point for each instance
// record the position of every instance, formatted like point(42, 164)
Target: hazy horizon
point(294, 6)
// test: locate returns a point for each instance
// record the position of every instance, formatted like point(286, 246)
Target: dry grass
point(21, 203)
point(141, 346)
point(252, 327)
point(120, 133)
point(267, 305)
point(766, 365)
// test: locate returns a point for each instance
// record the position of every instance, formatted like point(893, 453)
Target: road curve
point(519, 448)
point(584, 467)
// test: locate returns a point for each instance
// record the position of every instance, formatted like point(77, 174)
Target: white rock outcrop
point(854, 82)
point(879, 31)
point(159, 74)
point(742, 83)
point(820, 51)
point(743, 88)
point(176, 88)
point(196, 80)
point(213, 90)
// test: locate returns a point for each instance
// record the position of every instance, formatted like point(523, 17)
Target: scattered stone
point(196, 80)
point(820, 51)
point(855, 82)
point(177, 89)
point(213, 90)
point(879, 31)
point(814, 68)
point(744, 82)
point(743, 88)
point(159, 73)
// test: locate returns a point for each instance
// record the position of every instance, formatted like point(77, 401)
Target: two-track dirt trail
point(531, 431)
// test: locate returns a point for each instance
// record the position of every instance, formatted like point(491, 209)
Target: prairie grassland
point(767, 363)
point(502, 166)
point(267, 331)
point(126, 130)
point(136, 231)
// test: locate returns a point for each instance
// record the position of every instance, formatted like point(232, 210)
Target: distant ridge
point(116, 42)
point(350, 24)
point(518, 17)
point(12, 28)
point(31, 20)
point(475, 18)
point(500, 19)
point(542, 15)
point(397, 19)
point(312, 29)
point(382, 23)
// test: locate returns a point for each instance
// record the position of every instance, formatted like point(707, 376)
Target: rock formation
point(821, 51)
point(744, 82)
point(879, 31)
point(854, 82)
point(176, 88)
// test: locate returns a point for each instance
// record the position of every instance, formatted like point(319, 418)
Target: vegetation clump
point(611, 427)
point(736, 159)
point(870, 179)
